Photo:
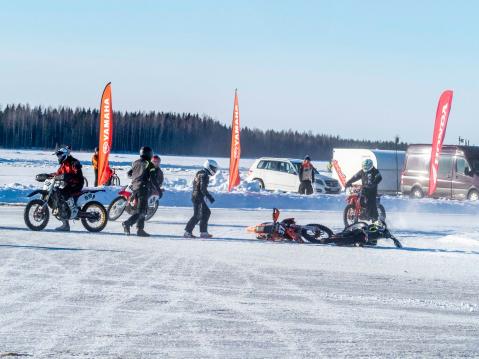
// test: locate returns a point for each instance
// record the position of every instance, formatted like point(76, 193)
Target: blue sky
point(361, 69)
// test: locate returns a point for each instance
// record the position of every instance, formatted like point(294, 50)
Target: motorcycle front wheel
point(381, 213)
point(316, 233)
point(117, 207)
point(36, 215)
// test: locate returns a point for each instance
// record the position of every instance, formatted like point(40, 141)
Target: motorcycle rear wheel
point(151, 211)
point(349, 215)
point(95, 225)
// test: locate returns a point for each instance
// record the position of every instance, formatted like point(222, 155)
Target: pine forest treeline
point(22, 126)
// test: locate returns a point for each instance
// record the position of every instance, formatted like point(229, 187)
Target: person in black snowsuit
point(201, 212)
point(141, 182)
point(70, 172)
point(370, 178)
point(306, 176)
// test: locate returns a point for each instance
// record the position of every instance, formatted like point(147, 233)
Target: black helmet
point(307, 158)
point(146, 153)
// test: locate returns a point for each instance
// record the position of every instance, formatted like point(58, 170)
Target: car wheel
point(473, 195)
point(417, 192)
point(260, 183)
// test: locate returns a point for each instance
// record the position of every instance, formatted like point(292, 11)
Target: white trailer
point(347, 162)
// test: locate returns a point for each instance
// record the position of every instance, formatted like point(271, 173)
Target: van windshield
point(475, 164)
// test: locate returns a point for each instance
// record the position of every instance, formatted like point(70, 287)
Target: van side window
point(417, 163)
point(445, 166)
point(461, 165)
point(261, 165)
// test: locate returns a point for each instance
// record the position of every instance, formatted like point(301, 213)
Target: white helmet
point(62, 153)
point(211, 166)
point(367, 165)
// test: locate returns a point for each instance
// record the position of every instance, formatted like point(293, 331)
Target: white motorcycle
point(125, 201)
point(84, 207)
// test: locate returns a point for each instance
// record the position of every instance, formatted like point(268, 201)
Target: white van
point(347, 162)
point(282, 174)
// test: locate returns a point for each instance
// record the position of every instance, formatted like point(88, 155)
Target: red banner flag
point(442, 115)
point(106, 136)
point(235, 147)
point(341, 175)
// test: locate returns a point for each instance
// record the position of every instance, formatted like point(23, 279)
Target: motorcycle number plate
point(89, 196)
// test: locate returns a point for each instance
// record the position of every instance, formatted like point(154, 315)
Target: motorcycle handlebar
point(42, 177)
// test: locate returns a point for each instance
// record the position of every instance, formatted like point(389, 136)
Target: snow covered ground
point(110, 296)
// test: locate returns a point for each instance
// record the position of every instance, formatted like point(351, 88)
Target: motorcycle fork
point(45, 200)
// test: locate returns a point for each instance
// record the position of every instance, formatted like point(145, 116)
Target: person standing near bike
point(141, 179)
point(370, 178)
point(157, 176)
point(94, 163)
point(306, 176)
point(201, 212)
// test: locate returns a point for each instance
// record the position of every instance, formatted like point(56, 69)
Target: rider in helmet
point(141, 179)
point(70, 172)
point(201, 212)
point(370, 178)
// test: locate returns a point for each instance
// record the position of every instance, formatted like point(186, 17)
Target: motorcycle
point(125, 201)
point(288, 230)
point(84, 207)
point(362, 234)
point(356, 210)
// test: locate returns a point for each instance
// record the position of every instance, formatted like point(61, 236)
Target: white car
point(282, 174)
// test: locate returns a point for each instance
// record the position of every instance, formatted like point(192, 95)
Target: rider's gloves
point(211, 199)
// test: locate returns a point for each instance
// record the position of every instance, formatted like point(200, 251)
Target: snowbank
point(249, 196)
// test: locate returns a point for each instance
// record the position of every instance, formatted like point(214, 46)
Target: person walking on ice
point(141, 175)
point(201, 212)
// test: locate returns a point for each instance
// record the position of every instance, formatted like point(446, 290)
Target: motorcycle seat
point(83, 191)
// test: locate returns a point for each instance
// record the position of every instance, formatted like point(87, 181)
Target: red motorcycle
point(125, 201)
point(288, 230)
point(356, 209)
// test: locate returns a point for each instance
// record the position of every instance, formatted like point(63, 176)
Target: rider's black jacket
point(141, 174)
point(370, 179)
point(200, 187)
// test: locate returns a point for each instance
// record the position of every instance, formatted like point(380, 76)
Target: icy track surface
point(80, 295)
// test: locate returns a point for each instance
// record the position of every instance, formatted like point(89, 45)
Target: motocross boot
point(65, 227)
point(141, 233)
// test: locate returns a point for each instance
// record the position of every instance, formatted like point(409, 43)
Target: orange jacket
point(94, 161)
